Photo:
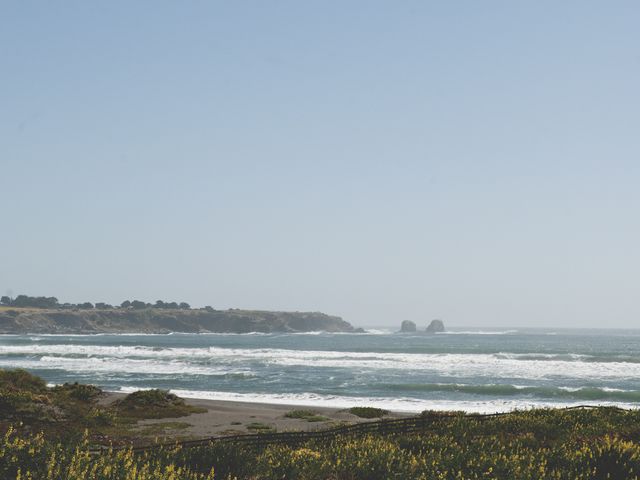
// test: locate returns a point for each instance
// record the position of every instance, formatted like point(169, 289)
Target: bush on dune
point(21, 380)
point(78, 391)
point(368, 412)
point(154, 403)
point(24, 397)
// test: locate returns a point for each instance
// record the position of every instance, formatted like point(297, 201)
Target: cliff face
point(154, 320)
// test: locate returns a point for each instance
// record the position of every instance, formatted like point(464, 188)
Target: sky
point(477, 162)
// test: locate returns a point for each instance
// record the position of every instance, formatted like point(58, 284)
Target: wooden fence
point(416, 424)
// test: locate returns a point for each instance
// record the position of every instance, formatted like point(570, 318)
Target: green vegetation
point(26, 398)
point(368, 412)
point(308, 415)
point(260, 427)
point(64, 412)
point(580, 444)
point(22, 301)
point(26, 301)
point(162, 317)
point(21, 380)
point(33, 457)
point(78, 391)
point(154, 404)
point(160, 428)
point(539, 444)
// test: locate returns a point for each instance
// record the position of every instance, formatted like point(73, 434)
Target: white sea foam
point(543, 374)
point(478, 332)
point(129, 365)
point(543, 356)
point(89, 335)
point(203, 360)
point(404, 404)
point(376, 331)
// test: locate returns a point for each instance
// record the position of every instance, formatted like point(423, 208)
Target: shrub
point(24, 397)
point(78, 391)
point(151, 398)
point(285, 462)
point(32, 457)
point(260, 427)
point(100, 417)
point(368, 412)
point(231, 461)
point(308, 415)
point(25, 406)
point(21, 380)
point(154, 404)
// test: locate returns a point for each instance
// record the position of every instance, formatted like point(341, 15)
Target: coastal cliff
point(155, 320)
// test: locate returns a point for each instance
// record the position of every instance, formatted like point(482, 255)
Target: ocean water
point(488, 370)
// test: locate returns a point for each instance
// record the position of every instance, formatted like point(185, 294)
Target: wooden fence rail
point(384, 427)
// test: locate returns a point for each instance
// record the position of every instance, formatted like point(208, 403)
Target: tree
point(125, 304)
point(137, 304)
point(184, 306)
point(160, 304)
point(86, 305)
point(35, 302)
point(5, 300)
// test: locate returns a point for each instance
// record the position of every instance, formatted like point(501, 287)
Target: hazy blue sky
point(474, 161)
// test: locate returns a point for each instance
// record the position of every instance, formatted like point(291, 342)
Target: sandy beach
point(224, 418)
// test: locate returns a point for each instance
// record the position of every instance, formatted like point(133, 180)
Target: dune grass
point(368, 412)
point(260, 427)
point(308, 415)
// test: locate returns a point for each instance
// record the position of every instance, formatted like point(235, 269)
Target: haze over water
point(473, 370)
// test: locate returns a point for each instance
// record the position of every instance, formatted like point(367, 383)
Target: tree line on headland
point(26, 301)
point(26, 314)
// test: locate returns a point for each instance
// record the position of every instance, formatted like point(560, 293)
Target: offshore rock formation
point(436, 326)
point(154, 320)
point(407, 326)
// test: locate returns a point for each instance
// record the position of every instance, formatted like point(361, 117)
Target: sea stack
point(407, 326)
point(436, 326)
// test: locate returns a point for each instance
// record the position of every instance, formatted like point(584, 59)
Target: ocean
point(490, 370)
